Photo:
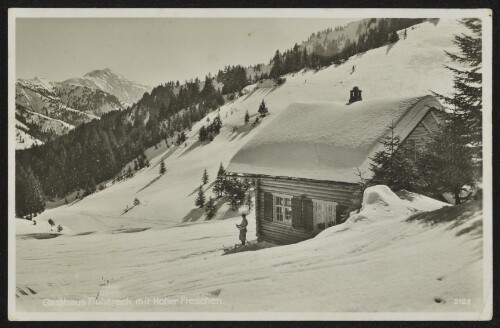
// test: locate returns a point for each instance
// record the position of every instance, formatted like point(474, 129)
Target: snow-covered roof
point(325, 140)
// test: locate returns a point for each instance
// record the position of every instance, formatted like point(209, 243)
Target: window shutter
point(307, 212)
point(268, 206)
point(297, 221)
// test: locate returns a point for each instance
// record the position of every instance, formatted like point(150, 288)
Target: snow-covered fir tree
point(210, 209)
point(162, 168)
point(220, 182)
point(200, 198)
point(395, 165)
point(447, 163)
point(454, 156)
point(466, 102)
point(263, 110)
point(204, 178)
point(181, 138)
point(247, 117)
point(235, 191)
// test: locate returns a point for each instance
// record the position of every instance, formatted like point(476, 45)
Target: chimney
point(355, 95)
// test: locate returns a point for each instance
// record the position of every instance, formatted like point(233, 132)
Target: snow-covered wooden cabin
point(304, 160)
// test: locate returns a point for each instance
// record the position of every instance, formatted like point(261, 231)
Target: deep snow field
point(375, 262)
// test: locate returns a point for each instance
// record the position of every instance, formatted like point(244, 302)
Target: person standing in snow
point(243, 228)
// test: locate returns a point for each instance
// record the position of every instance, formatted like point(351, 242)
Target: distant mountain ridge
point(46, 109)
point(113, 83)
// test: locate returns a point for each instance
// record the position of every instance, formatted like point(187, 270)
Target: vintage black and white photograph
point(202, 164)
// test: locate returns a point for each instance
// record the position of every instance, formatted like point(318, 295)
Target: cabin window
point(324, 214)
point(283, 209)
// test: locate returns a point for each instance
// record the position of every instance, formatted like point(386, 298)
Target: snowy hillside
point(401, 253)
point(49, 109)
point(392, 71)
point(394, 256)
point(23, 138)
point(113, 83)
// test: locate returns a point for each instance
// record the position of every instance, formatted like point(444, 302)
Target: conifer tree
point(220, 182)
point(247, 117)
point(235, 191)
point(382, 165)
point(447, 163)
point(210, 209)
point(455, 154)
point(393, 37)
point(29, 198)
point(465, 102)
point(263, 111)
point(202, 136)
point(204, 178)
point(395, 165)
point(275, 72)
point(217, 124)
point(162, 168)
point(200, 199)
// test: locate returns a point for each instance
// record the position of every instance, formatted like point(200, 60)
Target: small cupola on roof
point(355, 95)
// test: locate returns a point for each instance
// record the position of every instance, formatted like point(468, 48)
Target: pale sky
point(153, 50)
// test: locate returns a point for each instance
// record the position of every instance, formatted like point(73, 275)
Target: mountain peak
point(98, 72)
point(113, 83)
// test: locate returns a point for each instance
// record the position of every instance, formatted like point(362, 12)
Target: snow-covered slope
point(377, 261)
point(24, 140)
point(410, 67)
point(113, 83)
point(383, 259)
